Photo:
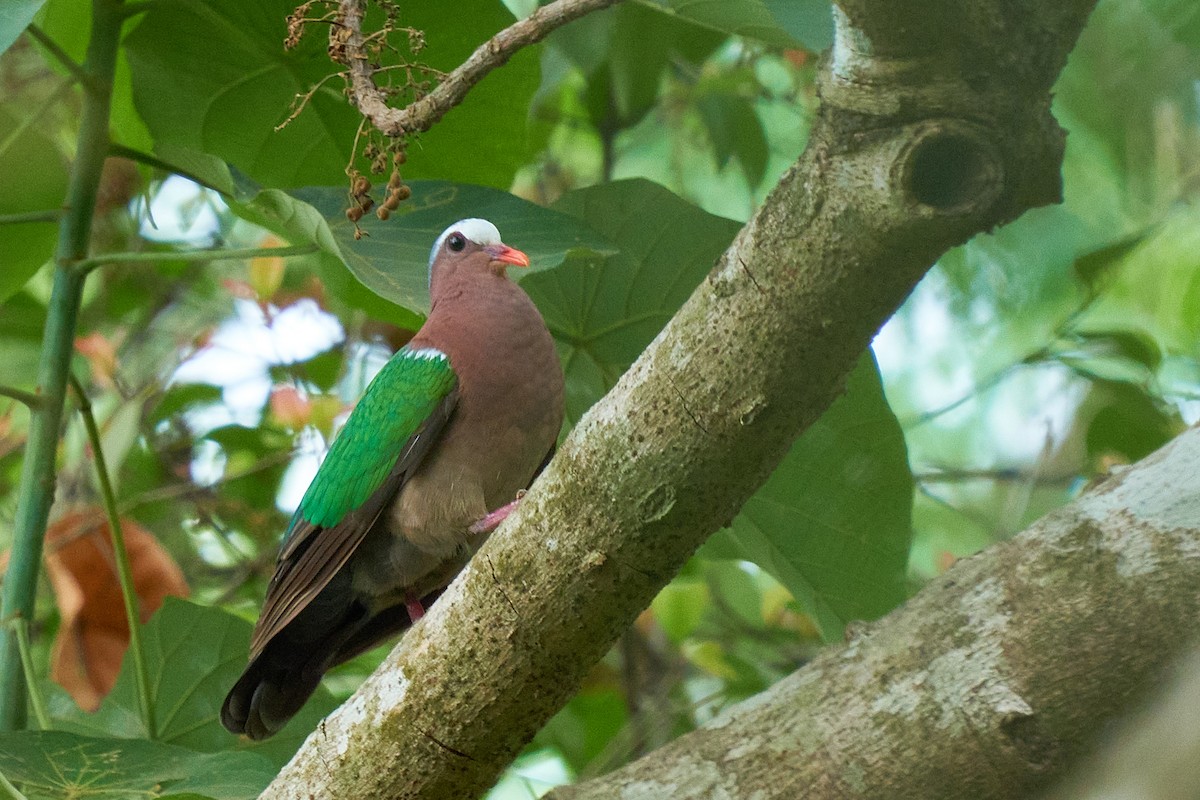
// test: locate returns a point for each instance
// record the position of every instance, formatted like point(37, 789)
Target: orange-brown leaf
point(94, 634)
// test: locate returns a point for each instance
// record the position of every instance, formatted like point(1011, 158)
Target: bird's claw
point(490, 521)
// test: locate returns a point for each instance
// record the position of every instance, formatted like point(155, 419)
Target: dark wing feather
point(313, 554)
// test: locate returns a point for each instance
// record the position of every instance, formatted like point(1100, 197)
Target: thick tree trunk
point(988, 682)
point(935, 125)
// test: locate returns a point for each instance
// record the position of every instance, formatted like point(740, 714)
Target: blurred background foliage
point(622, 153)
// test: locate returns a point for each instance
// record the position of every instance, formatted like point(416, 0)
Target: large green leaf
point(834, 521)
point(484, 139)
point(56, 765)
point(392, 260)
point(605, 310)
point(230, 105)
point(15, 16)
point(194, 655)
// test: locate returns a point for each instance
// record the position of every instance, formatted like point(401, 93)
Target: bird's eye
point(456, 242)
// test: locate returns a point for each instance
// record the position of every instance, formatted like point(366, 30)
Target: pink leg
point(415, 609)
point(490, 521)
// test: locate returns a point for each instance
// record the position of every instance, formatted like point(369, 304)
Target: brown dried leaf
point(94, 635)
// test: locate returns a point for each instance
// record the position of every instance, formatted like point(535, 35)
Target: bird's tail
point(272, 689)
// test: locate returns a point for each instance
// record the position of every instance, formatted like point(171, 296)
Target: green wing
point(387, 435)
point(401, 397)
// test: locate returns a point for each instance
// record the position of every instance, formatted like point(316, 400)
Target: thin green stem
point(21, 626)
point(35, 492)
point(60, 55)
point(124, 571)
point(8, 791)
point(28, 398)
point(49, 215)
point(89, 264)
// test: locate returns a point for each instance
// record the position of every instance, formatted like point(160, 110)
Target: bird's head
point(471, 247)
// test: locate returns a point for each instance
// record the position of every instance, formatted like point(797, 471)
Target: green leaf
point(1128, 423)
point(605, 310)
point(643, 44)
point(392, 260)
point(583, 731)
point(484, 140)
point(194, 655)
point(22, 320)
point(1180, 17)
point(809, 22)
point(1131, 356)
point(1153, 286)
point(181, 397)
point(735, 130)
point(15, 16)
point(750, 19)
point(54, 764)
point(200, 167)
point(68, 23)
point(230, 106)
point(833, 522)
point(29, 160)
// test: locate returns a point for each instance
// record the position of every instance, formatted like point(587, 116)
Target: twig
point(124, 571)
point(60, 55)
point(421, 114)
point(29, 399)
point(37, 702)
point(49, 215)
point(1002, 475)
point(89, 264)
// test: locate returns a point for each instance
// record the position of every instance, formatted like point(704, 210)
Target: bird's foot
point(414, 608)
point(490, 521)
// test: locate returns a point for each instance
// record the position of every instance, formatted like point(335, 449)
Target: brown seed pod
point(383, 212)
point(404, 192)
point(360, 186)
point(354, 213)
point(399, 157)
point(394, 180)
point(365, 202)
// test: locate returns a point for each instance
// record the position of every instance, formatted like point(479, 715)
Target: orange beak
point(507, 255)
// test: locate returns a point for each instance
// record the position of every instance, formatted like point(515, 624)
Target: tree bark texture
point(986, 684)
point(923, 139)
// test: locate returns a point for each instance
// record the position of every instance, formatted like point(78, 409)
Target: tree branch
point(35, 492)
point(1013, 659)
point(422, 114)
point(904, 161)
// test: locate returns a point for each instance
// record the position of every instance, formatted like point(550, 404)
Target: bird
point(435, 454)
